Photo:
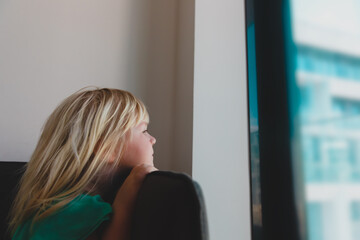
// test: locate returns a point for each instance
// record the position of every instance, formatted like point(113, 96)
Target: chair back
point(10, 174)
point(169, 206)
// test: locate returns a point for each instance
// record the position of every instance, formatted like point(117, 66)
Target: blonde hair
point(87, 128)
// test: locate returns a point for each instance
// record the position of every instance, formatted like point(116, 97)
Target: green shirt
point(75, 221)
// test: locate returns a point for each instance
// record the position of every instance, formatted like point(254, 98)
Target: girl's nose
point(152, 140)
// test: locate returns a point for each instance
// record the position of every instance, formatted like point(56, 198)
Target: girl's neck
point(108, 185)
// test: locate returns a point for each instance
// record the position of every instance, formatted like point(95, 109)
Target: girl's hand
point(123, 204)
point(127, 193)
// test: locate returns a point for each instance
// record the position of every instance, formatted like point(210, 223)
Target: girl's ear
point(116, 152)
point(109, 157)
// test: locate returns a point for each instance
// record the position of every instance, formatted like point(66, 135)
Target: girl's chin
point(129, 167)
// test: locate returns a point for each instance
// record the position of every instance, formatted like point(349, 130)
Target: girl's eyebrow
point(144, 123)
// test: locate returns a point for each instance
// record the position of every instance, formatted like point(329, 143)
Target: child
point(91, 136)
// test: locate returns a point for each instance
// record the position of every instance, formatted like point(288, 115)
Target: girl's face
point(140, 147)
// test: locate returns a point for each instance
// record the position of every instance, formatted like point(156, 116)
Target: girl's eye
point(146, 131)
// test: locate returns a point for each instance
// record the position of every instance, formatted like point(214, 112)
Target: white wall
point(49, 49)
point(220, 149)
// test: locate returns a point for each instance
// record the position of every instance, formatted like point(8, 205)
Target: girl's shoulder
point(77, 220)
point(82, 203)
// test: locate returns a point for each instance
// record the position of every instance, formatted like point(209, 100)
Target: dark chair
point(10, 174)
point(169, 205)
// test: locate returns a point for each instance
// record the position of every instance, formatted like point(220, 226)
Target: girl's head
point(89, 133)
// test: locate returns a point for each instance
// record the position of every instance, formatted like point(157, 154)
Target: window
point(304, 62)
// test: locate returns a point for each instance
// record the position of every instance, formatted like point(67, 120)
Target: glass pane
point(254, 135)
point(327, 38)
point(253, 125)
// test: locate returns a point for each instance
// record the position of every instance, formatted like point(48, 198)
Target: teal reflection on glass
point(254, 126)
point(252, 83)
